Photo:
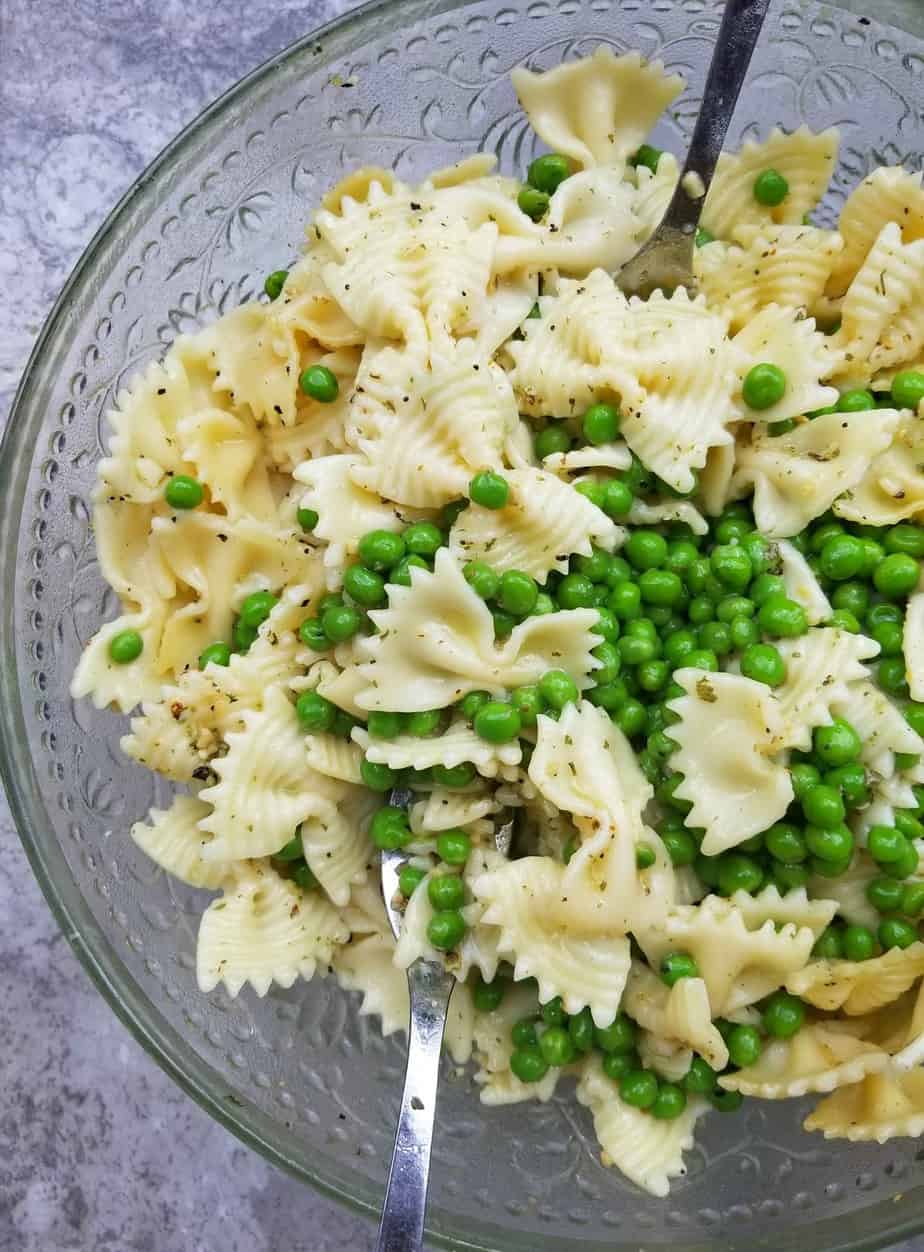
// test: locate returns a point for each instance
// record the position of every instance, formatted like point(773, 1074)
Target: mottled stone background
point(99, 1151)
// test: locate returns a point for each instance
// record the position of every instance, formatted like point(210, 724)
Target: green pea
point(517, 593)
point(803, 777)
point(906, 865)
point(497, 722)
point(291, 851)
point(890, 673)
point(450, 513)
point(735, 606)
point(382, 725)
point(889, 636)
point(764, 385)
point(823, 806)
point(703, 236)
point(453, 776)
point(364, 586)
point(766, 586)
point(788, 877)
point(556, 1046)
point(446, 929)
point(619, 1036)
point(617, 498)
point(677, 965)
point(907, 823)
point(645, 549)
point(215, 654)
point(907, 389)
point(631, 718)
point(125, 646)
point(639, 1088)
point(841, 557)
point(678, 646)
point(483, 580)
point(523, 1033)
point(591, 490)
point(528, 1064)
point(850, 780)
point(423, 723)
point(648, 156)
point(489, 490)
point(340, 622)
point(653, 675)
point(532, 202)
point(912, 901)
point(770, 188)
point(729, 530)
point(739, 872)
point(906, 538)
point(409, 879)
point(453, 846)
point(879, 613)
point(832, 843)
point(274, 283)
point(389, 828)
point(617, 1064)
point(894, 932)
point(660, 587)
point(575, 591)
point(697, 575)
point(731, 565)
point(885, 844)
point(471, 703)
point(896, 575)
point(644, 855)
point(381, 549)
point(257, 607)
point(853, 596)
point(401, 573)
point(744, 1046)
point(608, 626)
point(304, 878)
point(581, 1030)
point(856, 401)
point(601, 424)
point(783, 1015)
point(763, 663)
point(423, 539)
point(743, 632)
point(670, 1102)
point(726, 1101)
point(307, 519)
point(557, 688)
point(784, 841)
point(319, 383)
point(554, 438)
point(446, 891)
point(314, 712)
point(873, 554)
point(782, 618)
point(488, 996)
point(703, 658)
point(544, 605)
point(183, 492)
point(885, 894)
point(547, 173)
point(700, 1078)
point(376, 776)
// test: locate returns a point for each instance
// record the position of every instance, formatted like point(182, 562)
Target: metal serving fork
point(430, 985)
point(666, 259)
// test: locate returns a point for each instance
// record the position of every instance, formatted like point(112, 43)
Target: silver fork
point(666, 259)
point(430, 986)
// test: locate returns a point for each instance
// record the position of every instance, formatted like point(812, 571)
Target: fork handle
point(402, 1225)
point(738, 34)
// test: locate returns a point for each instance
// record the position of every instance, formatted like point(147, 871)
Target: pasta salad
point(446, 512)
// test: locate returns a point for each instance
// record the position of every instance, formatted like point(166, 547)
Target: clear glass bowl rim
point(89, 942)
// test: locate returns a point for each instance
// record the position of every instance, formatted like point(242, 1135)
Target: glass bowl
point(299, 1075)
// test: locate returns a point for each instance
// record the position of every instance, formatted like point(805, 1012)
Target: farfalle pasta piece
point(793, 906)
point(565, 360)
point(780, 336)
point(677, 352)
point(544, 522)
point(819, 1057)
point(453, 746)
point(317, 429)
point(848, 891)
point(654, 189)
point(425, 429)
point(336, 843)
point(585, 970)
point(584, 764)
point(806, 160)
point(802, 584)
point(443, 809)
point(858, 987)
point(654, 513)
point(728, 730)
point(913, 645)
point(591, 223)
point(888, 194)
point(783, 265)
point(256, 363)
point(264, 930)
point(648, 1151)
point(406, 267)
point(435, 643)
point(306, 309)
point(822, 667)
point(669, 1060)
point(334, 757)
point(366, 965)
point(798, 475)
point(892, 487)
point(884, 289)
point(172, 839)
point(264, 788)
point(882, 1106)
point(494, 1047)
point(880, 724)
point(740, 965)
point(227, 451)
point(680, 1014)
point(596, 110)
point(590, 457)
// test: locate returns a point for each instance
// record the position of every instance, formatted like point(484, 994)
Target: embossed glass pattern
point(299, 1075)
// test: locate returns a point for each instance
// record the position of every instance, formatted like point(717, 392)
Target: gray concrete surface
point(99, 1151)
